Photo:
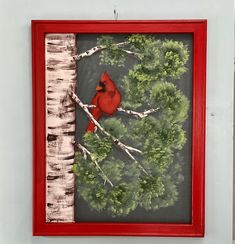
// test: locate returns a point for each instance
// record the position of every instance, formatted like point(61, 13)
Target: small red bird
point(107, 99)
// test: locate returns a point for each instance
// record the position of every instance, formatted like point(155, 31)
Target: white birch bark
point(60, 127)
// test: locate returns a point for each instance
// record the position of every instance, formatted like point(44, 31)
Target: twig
point(133, 158)
point(138, 114)
point(130, 53)
point(116, 141)
point(86, 152)
point(82, 149)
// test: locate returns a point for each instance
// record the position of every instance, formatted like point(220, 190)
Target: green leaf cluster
point(98, 146)
point(89, 184)
point(118, 200)
point(112, 54)
point(114, 126)
point(153, 188)
point(171, 102)
point(159, 61)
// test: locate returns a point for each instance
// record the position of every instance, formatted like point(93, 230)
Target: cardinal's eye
point(102, 82)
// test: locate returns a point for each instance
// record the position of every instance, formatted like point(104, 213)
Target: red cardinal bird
point(107, 99)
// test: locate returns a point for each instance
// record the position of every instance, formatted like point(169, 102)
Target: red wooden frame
point(195, 229)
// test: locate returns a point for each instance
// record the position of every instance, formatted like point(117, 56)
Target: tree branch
point(89, 52)
point(86, 152)
point(138, 114)
point(127, 149)
point(96, 49)
point(89, 105)
point(130, 53)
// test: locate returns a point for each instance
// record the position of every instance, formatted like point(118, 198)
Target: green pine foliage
point(89, 184)
point(172, 103)
point(113, 55)
point(159, 136)
point(114, 126)
point(152, 189)
point(99, 147)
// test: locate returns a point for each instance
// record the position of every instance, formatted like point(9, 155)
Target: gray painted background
point(89, 72)
point(16, 122)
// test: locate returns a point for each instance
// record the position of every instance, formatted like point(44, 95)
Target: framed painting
point(119, 127)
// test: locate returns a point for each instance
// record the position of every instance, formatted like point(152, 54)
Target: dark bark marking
point(51, 137)
point(55, 167)
point(70, 133)
point(53, 62)
point(51, 177)
point(51, 43)
point(51, 99)
point(71, 122)
point(69, 157)
point(69, 191)
point(50, 68)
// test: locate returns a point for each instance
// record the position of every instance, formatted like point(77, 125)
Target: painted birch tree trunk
point(60, 127)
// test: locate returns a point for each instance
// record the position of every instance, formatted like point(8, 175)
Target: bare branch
point(116, 141)
point(89, 52)
point(131, 53)
point(133, 158)
point(82, 149)
point(96, 49)
point(138, 114)
point(86, 152)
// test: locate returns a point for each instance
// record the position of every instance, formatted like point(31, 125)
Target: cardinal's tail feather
point(90, 127)
point(96, 113)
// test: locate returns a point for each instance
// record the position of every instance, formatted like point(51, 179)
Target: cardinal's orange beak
point(99, 88)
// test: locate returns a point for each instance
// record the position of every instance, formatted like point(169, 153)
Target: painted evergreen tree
point(148, 170)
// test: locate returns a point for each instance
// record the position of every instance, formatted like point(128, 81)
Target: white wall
point(15, 108)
